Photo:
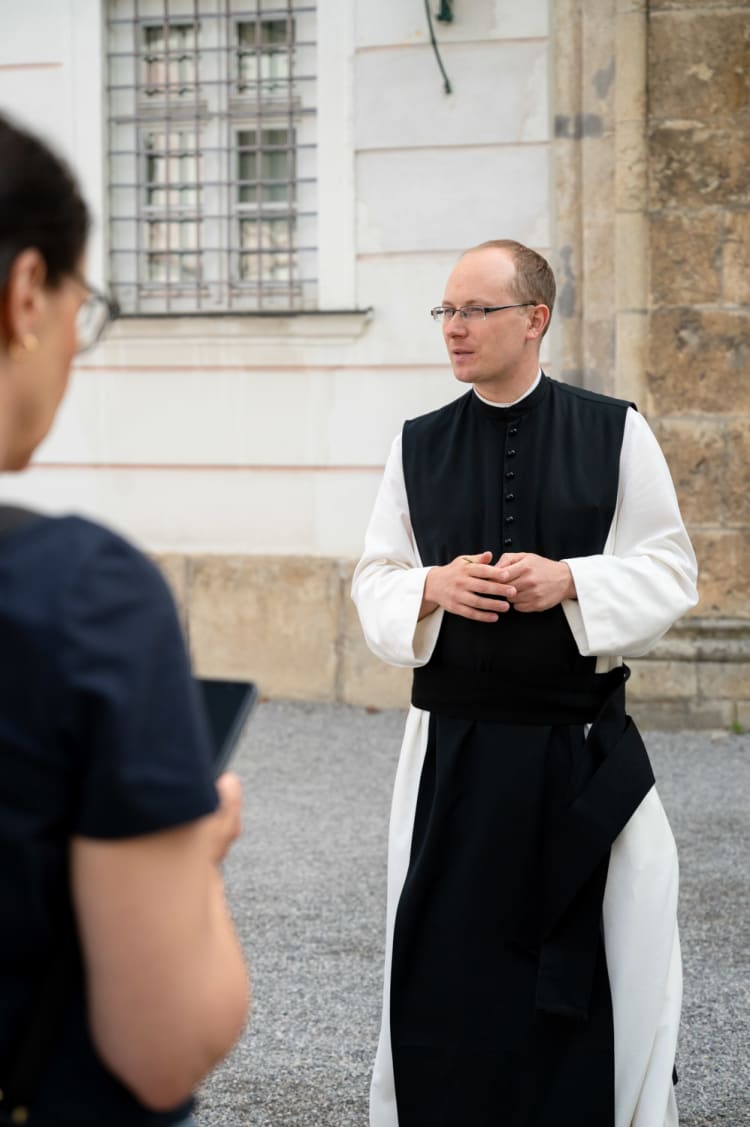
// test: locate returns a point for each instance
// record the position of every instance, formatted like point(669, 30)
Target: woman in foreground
point(116, 940)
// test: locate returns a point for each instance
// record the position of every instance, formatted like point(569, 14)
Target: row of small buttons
point(509, 476)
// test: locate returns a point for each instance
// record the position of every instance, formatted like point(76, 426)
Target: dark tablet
point(228, 706)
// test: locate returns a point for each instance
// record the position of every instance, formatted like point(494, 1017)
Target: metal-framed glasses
point(93, 317)
point(473, 312)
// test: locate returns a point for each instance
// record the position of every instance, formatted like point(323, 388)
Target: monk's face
point(499, 353)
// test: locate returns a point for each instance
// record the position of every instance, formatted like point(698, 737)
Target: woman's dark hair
point(40, 205)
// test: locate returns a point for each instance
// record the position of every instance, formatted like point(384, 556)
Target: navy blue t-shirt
point(102, 735)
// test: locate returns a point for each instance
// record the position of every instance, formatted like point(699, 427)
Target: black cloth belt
point(514, 698)
point(577, 845)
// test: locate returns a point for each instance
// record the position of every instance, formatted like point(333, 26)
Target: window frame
point(218, 282)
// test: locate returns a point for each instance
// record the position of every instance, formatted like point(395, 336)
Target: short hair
point(534, 280)
point(40, 205)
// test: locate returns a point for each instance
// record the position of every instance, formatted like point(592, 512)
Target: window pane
point(276, 169)
point(169, 59)
point(247, 165)
point(175, 269)
point(266, 253)
point(273, 32)
point(212, 156)
point(276, 164)
point(167, 244)
point(172, 168)
point(264, 54)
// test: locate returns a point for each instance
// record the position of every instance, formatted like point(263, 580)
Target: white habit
point(628, 597)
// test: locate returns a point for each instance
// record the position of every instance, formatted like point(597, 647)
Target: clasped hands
point(472, 587)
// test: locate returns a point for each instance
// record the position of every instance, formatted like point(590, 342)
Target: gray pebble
point(307, 887)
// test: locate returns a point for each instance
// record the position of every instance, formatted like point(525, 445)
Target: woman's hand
point(228, 815)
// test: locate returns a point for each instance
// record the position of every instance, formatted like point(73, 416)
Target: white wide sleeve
point(388, 583)
point(645, 580)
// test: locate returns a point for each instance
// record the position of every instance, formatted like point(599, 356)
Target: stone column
point(698, 375)
point(600, 193)
point(631, 220)
point(583, 94)
point(652, 154)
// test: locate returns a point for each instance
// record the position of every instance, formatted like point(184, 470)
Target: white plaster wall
point(402, 21)
point(243, 434)
point(224, 510)
point(465, 195)
point(495, 98)
point(332, 418)
point(51, 80)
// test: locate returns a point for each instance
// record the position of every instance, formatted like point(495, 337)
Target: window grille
point(212, 204)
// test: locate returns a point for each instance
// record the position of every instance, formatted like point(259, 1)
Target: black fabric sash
point(474, 694)
point(577, 855)
point(577, 845)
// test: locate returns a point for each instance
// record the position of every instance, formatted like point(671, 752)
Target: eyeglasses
point(473, 312)
point(96, 313)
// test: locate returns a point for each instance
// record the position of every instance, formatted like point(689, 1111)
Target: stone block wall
point(698, 340)
point(289, 623)
point(653, 252)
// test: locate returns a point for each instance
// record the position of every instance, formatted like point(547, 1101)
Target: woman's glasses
point(96, 313)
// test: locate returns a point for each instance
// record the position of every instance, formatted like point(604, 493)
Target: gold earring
point(19, 350)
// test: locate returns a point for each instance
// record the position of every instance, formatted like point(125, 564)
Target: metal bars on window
point(212, 155)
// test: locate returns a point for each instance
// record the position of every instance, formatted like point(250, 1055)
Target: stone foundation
point(288, 622)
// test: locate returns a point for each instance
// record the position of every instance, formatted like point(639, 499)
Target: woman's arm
point(167, 988)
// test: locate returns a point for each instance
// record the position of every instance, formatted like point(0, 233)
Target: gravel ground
point(307, 885)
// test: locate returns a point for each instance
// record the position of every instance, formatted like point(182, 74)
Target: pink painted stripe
point(30, 66)
point(211, 467)
point(280, 368)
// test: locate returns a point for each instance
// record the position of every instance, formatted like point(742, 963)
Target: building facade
point(280, 190)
